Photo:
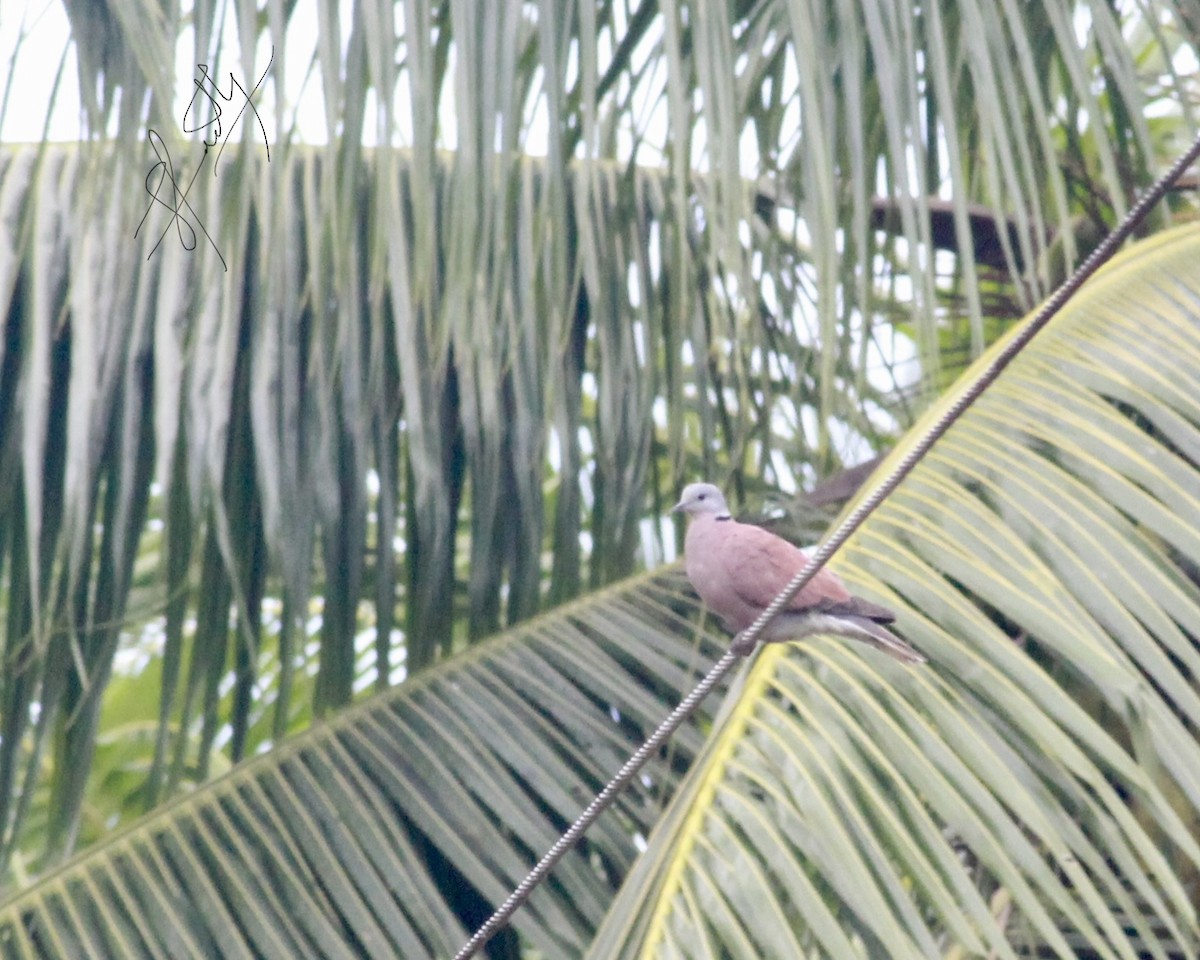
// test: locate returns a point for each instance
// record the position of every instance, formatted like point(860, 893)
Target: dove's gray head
point(702, 498)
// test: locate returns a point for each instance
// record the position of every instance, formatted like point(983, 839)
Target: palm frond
point(1033, 789)
point(383, 831)
point(725, 265)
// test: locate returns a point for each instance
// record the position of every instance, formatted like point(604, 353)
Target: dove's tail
point(883, 639)
point(796, 626)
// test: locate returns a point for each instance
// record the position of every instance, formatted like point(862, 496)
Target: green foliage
point(381, 831)
point(453, 379)
point(1032, 790)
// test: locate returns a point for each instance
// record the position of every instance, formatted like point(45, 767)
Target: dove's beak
point(677, 507)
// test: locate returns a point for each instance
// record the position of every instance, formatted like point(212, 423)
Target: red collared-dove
point(738, 569)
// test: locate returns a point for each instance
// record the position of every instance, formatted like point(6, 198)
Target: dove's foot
point(741, 646)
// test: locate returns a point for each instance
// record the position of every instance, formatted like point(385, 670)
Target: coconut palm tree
point(396, 402)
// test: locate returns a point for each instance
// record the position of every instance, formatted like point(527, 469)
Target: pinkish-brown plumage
point(738, 569)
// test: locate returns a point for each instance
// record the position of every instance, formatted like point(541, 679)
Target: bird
point(738, 569)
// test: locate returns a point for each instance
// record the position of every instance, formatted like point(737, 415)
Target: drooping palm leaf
point(387, 311)
point(1034, 787)
point(365, 835)
point(239, 409)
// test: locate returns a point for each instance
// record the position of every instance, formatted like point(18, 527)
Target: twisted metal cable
point(831, 544)
point(597, 806)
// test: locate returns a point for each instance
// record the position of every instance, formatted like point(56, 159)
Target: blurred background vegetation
point(512, 274)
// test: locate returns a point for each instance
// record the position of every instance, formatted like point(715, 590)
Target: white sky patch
point(633, 285)
point(658, 410)
point(40, 34)
point(651, 554)
point(587, 383)
point(666, 532)
point(766, 290)
point(651, 111)
point(784, 422)
point(944, 263)
point(749, 157)
point(654, 250)
point(895, 351)
point(535, 140)
point(785, 478)
point(37, 38)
